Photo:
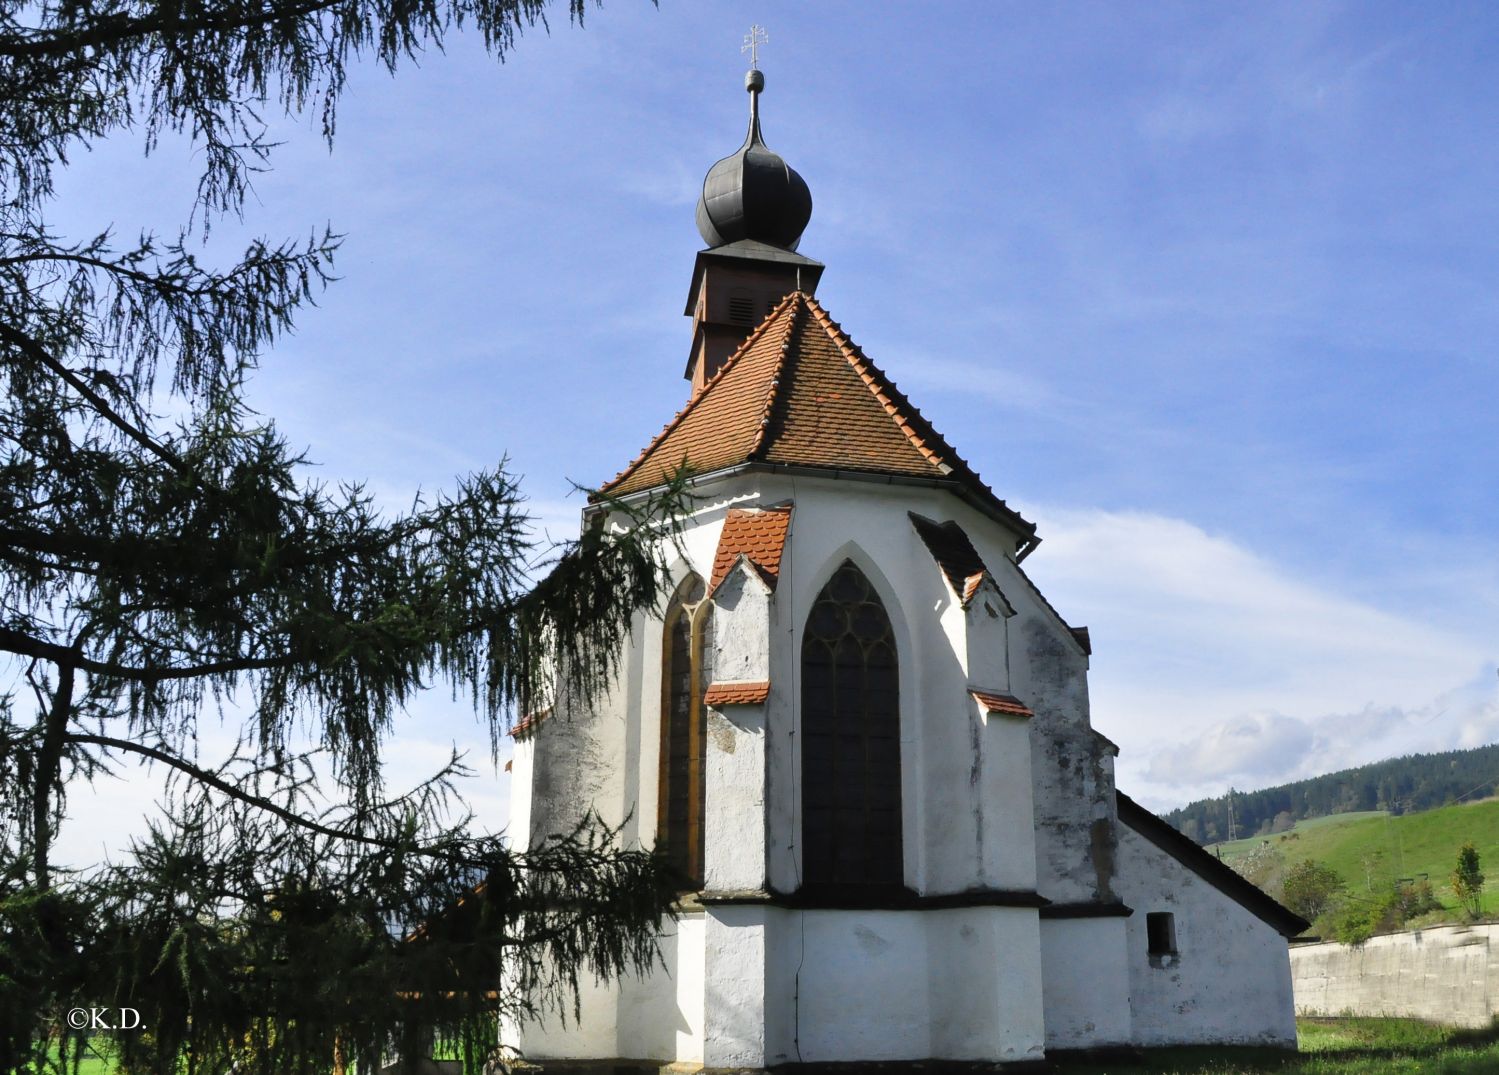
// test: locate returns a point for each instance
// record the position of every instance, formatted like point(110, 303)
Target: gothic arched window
point(851, 816)
point(686, 669)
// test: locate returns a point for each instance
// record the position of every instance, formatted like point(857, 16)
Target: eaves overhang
point(992, 507)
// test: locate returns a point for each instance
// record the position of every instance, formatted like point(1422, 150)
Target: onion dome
point(754, 194)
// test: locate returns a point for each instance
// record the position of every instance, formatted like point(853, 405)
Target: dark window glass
point(851, 816)
point(1160, 929)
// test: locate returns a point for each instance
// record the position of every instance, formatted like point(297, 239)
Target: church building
point(863, 737)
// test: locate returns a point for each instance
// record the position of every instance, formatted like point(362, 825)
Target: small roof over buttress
point(757, 536)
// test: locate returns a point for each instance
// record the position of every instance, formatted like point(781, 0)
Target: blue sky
point(1211, 292)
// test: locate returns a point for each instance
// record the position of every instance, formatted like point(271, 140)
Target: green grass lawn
point(1407, 846)
point(1327, 1047)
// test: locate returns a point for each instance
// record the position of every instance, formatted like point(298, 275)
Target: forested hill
point(1399, 785)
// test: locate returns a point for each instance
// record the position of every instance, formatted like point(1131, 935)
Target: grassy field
point(1371, 850)
point(1328, 1047)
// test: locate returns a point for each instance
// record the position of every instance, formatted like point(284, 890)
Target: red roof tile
point(721, 694)
point(758, 535)
point(527, 724)
point(799, 392)
point(1002, 703)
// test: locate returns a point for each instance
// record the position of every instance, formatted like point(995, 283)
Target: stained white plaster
point(984, 984)
point(1004, 821)
point(741, 627)
point(734, 809)
point(986, 639)
point(660, 1014)
point(655, 1015)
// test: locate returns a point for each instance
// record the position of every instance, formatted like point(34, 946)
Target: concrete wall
point(1230, 980)
point(1448, 974)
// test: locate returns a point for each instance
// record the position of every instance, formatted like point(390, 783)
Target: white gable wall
point(1231, 981)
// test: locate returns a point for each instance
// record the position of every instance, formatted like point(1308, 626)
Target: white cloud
point(1260, 749)
point(1214, 664)
point(1252, 743)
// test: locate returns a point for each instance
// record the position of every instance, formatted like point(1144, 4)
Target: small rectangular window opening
point(1160, 929)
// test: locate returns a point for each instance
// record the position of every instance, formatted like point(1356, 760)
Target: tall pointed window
point(686, 671)
point(851, 817)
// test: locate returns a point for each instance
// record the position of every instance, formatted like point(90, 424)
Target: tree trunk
point(49, 760)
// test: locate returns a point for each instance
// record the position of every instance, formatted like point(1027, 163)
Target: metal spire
point(754, 78)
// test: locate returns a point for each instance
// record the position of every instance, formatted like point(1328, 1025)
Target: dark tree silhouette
point(153, 570)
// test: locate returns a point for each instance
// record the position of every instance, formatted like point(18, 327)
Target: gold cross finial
point(752, 42)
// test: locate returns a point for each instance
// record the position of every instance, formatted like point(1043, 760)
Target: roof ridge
point(757, 448)
point(919, 438)
point(1160, 832)
point(875, 379)
point(697, 396)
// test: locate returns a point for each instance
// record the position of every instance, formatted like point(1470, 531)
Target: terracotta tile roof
point(527, 724)
point(800, 392)
point(956, 556)
point(720, 694)
point(759, 536)
point(721, 422)
point(1002, 703)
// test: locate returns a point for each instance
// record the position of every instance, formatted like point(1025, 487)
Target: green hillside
point(1371, 850)
point(1404, 785)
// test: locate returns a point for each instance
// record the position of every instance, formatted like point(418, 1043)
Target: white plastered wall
point(942, 792)
point(782, 984)
point(606, 757)
point(955, 984)
point(1085, 967)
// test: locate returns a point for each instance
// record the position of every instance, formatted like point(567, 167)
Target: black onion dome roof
point(754, 194)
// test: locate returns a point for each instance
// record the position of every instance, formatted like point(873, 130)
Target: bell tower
point(752, 213)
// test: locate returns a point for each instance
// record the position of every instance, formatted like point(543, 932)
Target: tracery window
point(851, 802)
point(685, 673)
